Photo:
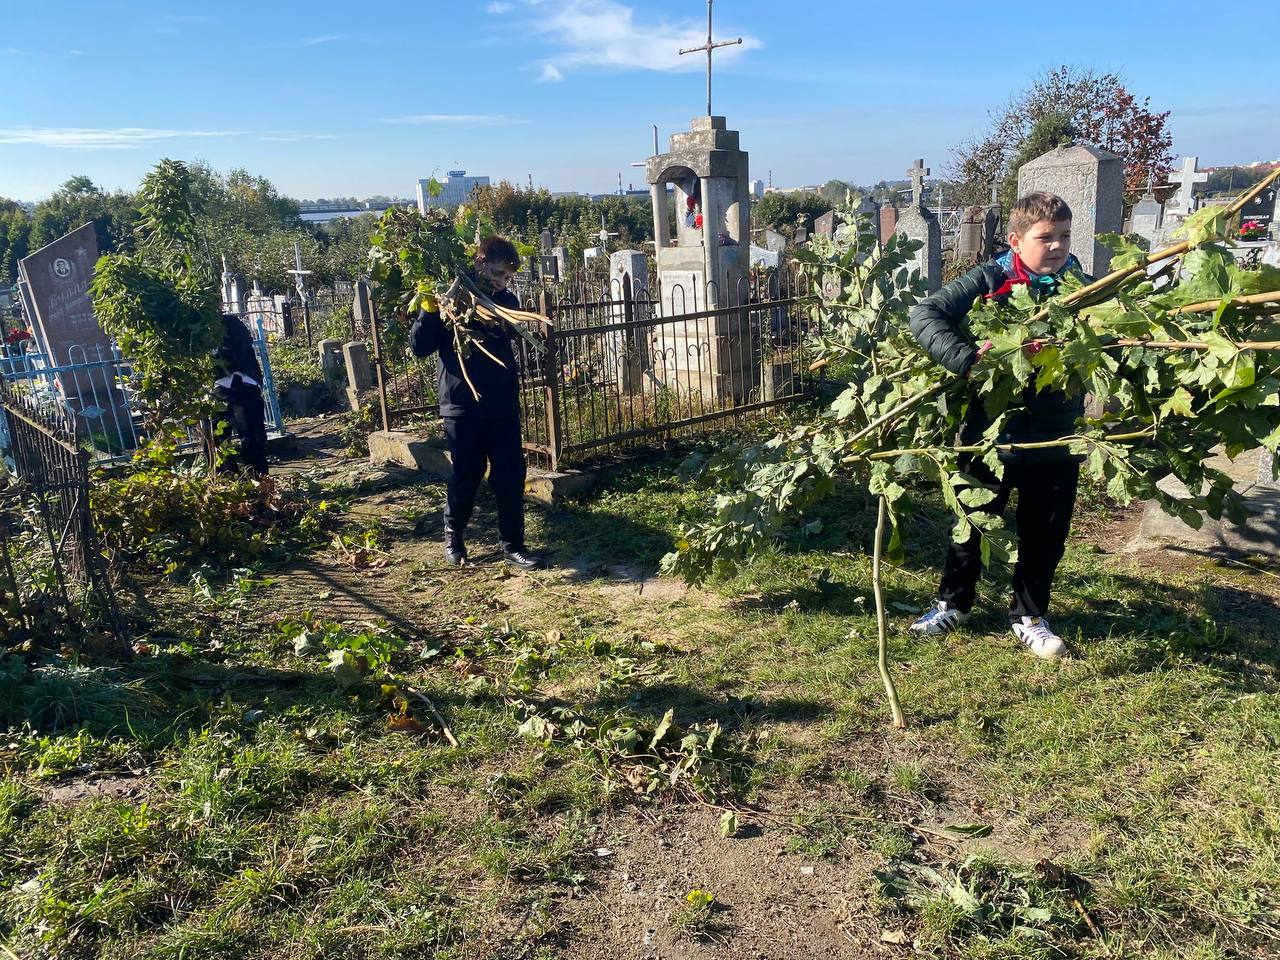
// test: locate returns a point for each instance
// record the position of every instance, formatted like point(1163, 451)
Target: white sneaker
point(1037, 636)
point(939, 619)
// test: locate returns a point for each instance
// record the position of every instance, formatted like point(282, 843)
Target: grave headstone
point(362, 303)
point(546, 242)
point(919, 223)
point(1091, 181)
point(54, 282)
point(802, 235)
point(57, 278)
point(825, 225)
point(764, 257)
point(549, 267)
point(359, 372)
point(562, 260)
point(1261, 209)
point(971, 241)
point(774, 241)
point(625, 348)
point(1148, 216)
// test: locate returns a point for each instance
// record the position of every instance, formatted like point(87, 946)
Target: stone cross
point(1186, 179)
point(917, 175)
point(708, 47)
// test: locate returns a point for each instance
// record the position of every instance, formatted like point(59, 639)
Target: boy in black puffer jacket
point(484, 430)
point(1046, 480)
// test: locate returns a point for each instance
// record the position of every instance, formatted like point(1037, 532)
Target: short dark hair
point(1034, 207)
point(497, 249)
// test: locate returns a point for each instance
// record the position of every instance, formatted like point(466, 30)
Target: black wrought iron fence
point(49, 547)
point(621, 366)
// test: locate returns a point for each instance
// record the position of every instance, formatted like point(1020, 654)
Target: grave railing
point(50, 553)
point(93, 394)
point(621, 367)
point(629, 368)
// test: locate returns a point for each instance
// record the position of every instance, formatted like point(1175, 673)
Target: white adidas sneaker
point(939, 619)
point(1039, 638)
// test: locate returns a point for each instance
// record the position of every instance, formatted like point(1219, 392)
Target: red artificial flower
point(697, 222)
point(690, 203)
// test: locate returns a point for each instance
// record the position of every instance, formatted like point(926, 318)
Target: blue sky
point(328, 98)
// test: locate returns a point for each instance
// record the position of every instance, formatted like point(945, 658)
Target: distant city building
point(456, 189)
point(757, 189)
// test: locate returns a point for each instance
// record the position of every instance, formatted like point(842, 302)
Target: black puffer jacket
point(939, 322)
point(498, 386)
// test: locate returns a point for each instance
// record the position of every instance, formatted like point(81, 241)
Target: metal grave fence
point(49, 548)
point(622, 367)
point(93, 395)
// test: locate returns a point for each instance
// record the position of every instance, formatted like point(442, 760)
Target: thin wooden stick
point(444, 727)
point(899, 721)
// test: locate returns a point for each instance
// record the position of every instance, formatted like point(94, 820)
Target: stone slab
point(1259, 534)
point(430, 455)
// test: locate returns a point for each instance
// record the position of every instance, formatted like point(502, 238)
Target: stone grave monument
point(918, 223)
point(55, 284)
point(703, 262)
point(1091, 181)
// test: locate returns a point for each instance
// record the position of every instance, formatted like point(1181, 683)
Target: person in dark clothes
point(485, 430)
point(1046, 480)
point(239, 386)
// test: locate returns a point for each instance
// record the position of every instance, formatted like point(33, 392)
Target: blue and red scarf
point(1016, 274)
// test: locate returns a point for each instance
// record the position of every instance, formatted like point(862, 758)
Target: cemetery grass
point(224, 796)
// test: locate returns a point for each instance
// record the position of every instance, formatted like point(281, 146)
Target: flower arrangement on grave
point(424, 262)
point(1189, 366)
point(1252, 230)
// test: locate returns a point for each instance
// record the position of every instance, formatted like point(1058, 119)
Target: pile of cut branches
point(423, 262)
point(1179, 343)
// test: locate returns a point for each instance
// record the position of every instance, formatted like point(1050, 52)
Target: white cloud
point(89, 138)
point(457, 119)
point(499, 8)
point(550, 74)
point(605, 33)
point(316, 41)
point(289, 136)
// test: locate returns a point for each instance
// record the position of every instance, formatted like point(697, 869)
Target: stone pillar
point(704, 267)
point(661, 225)
point(920, 224)
point(1091, 181)
point(359, 372)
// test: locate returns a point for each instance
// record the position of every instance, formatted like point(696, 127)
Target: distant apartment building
point(457, 188)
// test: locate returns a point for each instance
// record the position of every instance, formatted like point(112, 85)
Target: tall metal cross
point(604, 233)
point(708, 47)
point(917, 175)
point(299, 274)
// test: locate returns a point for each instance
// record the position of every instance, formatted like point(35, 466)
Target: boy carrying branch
point(1046, 479)
point(480, 409)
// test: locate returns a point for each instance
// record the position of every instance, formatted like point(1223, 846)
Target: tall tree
point(1096, 106)
point(80, 201)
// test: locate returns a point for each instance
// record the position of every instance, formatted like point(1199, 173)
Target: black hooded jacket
point(938, 322)
point(498, 386)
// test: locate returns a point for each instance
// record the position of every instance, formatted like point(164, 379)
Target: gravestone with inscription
point(625, 348)
point(55, 281)
point(1091, 181)
point(825, 225)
